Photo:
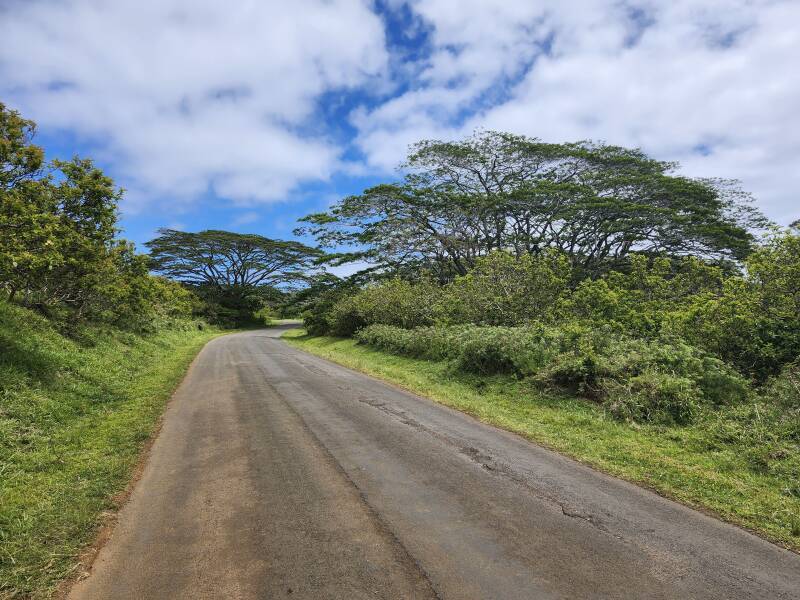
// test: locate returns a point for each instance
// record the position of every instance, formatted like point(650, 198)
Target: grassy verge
point(74, 416)
point(679, 462)
point(279, 322)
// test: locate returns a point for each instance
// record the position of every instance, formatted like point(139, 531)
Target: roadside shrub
point(395, 302)
point(345, 317)
point(581, 360)
point(394, 340)
point(590, 360)
point(487, 351)
point(519, 350)
point(506, 290)
point(430, 343)
point(434, 343)
point(316, 317)
point(661, 381)
point(654, 397)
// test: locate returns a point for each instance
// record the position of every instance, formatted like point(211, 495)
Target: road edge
point(640, 484)
point(108, 520)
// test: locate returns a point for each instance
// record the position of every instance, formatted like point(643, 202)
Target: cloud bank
point(710, 83)
point(252, 99)
point(190, 94)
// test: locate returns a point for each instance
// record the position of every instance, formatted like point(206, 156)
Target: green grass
point(683, 463)
point(74, 416)
point(276, 322)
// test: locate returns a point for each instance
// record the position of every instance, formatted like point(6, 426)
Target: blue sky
point(247, 115)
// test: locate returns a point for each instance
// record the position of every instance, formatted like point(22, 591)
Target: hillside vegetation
point(725, 462)
point(517, 279)
point(74, 415)
point(91, 346)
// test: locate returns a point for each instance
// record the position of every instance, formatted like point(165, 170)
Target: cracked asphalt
point(278, 474)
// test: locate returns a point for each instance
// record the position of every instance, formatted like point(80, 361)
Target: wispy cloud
point(711, 83)
point(245, 218)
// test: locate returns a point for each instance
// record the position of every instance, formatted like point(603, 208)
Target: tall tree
point(56, 233)
point(20, 159)
point(498, 191)
point(230, 263)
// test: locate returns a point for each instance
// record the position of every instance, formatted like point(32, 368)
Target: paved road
point(280, 475)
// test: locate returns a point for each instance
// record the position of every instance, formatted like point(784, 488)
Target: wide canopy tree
point(231, 262)
point(497, 191)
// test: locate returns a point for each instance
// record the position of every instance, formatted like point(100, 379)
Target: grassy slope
point(675, 461)
point(73, 419)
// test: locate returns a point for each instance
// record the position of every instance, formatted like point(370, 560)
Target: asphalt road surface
point(280, 475)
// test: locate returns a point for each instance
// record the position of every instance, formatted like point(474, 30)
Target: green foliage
point(57, 238)
point(492, 191)
point(135, 300)
point(504, 290)
point(431, 343)
point(394, 302)
point(264, 316)
point(754, 321)
point(493, 350)
point(750, 321)
point(58, 247)
point(74, 413)
point(640, 299)
point(646, 381)
point(19, 158)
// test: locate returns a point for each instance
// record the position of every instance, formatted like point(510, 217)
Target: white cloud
point(183, 95)
point(667, 76)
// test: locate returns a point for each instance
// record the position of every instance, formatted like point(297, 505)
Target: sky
point(245, 115)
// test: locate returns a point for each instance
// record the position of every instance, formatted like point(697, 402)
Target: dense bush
point(640, 299)
point(749, 320)
point(504, 290)
point(754, 322)
point(653, 381)
point(394, 302)
point(59, 250)
point(316, 318)
point(431, 343)
point(654, 397)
